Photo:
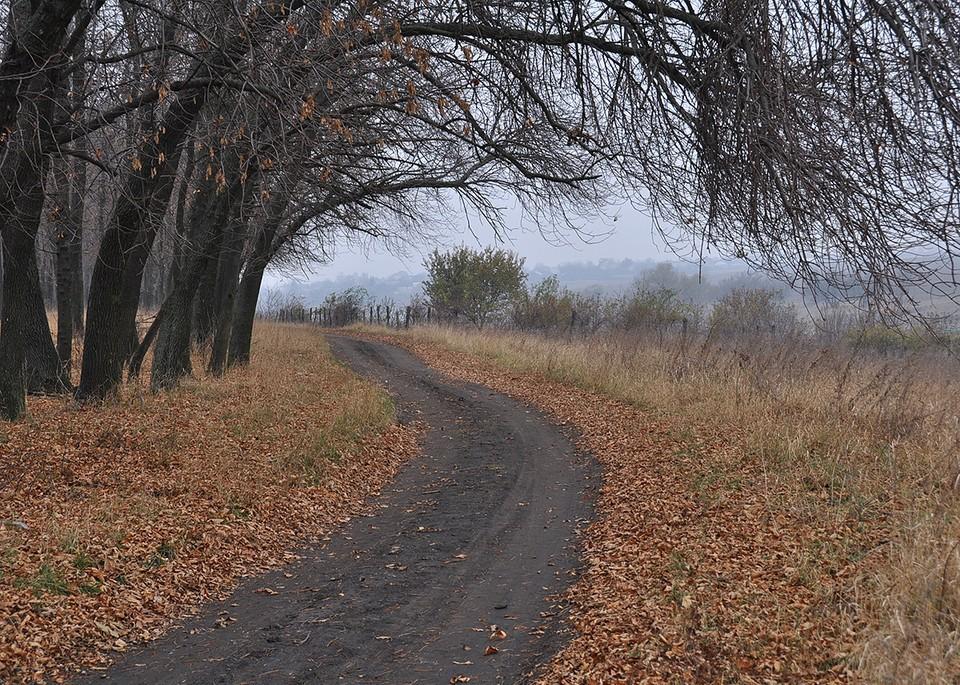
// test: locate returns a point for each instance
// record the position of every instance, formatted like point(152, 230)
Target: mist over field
point(607, 276)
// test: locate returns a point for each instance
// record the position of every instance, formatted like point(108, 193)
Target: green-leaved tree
point(477, 285)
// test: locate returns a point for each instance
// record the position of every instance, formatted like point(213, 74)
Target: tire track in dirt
point(479, 531)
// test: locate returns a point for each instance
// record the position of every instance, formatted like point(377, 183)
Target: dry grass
point(855, 455)
point(138, 510)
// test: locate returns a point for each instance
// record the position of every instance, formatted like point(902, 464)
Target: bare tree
point(814, 140)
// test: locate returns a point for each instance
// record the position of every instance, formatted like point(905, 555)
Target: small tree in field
point(473, 284)
point(754, 311)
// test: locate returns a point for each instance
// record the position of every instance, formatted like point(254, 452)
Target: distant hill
point(701, 284)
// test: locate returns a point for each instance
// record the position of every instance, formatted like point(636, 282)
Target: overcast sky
point(627, 234)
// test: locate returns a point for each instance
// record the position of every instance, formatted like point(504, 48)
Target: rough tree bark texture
point(28, 360)
point(248, 291)
point(36, 32)
point(204, 309)
point(118, 273)
point(245, 311)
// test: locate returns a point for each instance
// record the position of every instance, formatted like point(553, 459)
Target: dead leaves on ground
point(691, 573)
point(117, 519)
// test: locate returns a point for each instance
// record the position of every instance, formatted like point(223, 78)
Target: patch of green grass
point(83, 561)
point(7, 557)
point(675, 596)
point(47, 580)
point(91, 588)
point(679, 566)
point(70, 541)
point(370, 412)
point(237, 509)
point(829, 663)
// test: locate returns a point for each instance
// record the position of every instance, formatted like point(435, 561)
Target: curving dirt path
point(479, 531)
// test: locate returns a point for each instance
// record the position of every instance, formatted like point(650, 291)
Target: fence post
point(406, 320)
point(378, 315)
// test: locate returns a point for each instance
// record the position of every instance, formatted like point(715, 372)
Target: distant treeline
point(491, 289)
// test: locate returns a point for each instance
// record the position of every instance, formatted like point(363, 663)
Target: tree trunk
point(248, 292)
point(204, 312)
point(16, 252)
point(36, 31)
point(171, 359)
point(28, 359)
point(118, 272)
point(136, 359)
point(231, 259)
point(70, 183)
point(245, 312)
point(179, 217)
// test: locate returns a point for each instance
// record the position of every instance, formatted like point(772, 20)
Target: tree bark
point(171, 359)
point(179, 217)
point(118, 272)
point(28, 359)
point(248, 291)
point(228, 274)
point(245, 312)
point(136, 359)
point(70, 180)
point(37, 31)
point(205, 310)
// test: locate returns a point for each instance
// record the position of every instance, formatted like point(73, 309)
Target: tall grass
point(843, 435)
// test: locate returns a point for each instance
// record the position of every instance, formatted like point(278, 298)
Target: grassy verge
point(769, 512)
point(118, 518)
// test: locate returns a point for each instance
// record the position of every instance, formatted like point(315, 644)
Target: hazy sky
point(629, 236)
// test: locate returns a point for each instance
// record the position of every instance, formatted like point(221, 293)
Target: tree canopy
point(196, 144)
point(474, 284)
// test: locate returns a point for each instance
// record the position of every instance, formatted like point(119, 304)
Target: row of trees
point(490, 286)
point(483, 288)
point(208, 141)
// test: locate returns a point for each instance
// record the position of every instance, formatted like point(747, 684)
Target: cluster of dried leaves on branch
point(696, 568)
point(119, 518)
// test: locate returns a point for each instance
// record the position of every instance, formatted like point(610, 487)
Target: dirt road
point(475, 533)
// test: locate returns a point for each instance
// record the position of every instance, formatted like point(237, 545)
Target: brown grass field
point(770, 513)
